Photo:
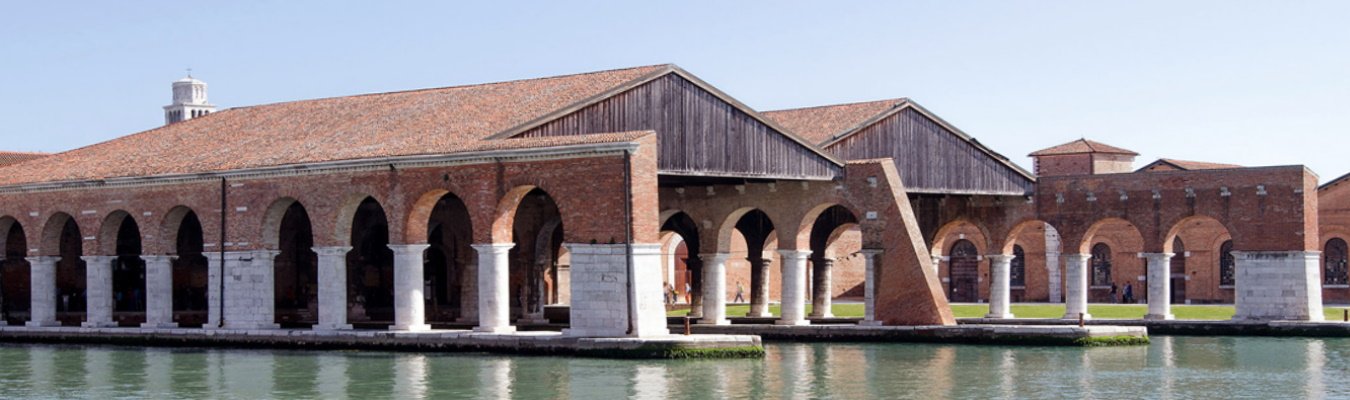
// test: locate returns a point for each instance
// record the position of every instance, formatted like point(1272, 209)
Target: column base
point(870, 323)
point(411, 328)
point(98, 324)
point(494, 329)
point(1074, 317)
point(823, 315)
point(792, 323)
point(1001, 316)
point(705, 321)
point(1160, 317)
point(243, 327)
point(159, 325)
point(761, 314)
point(41, 324)
point(330, 328)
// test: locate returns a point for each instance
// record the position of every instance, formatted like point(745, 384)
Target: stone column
point(937, 267)
point(98, 291)
point(494, 288)
point(759, 287)
point(1076, 283)
point(1000, 266)
point(159, 292)
point(794, 287)
point(608, 302)
point(332, 271)
point(1277, 285)
point(714, 289)
point(409, 303)
point(822, 287)
point(871, 258)
point(42, 289)
point(1159, 286)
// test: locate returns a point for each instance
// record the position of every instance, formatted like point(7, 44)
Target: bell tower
point(189, 101)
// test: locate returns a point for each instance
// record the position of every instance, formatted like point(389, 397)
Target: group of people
point(1127, 297)
point(672, 296)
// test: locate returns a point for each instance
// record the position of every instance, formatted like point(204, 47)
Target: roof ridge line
point(897, 100)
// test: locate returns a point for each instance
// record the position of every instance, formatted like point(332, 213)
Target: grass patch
point(1103, 341)
point(1031, 310)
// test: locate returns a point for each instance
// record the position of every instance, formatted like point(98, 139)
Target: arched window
point(1101, 265)
point(1017, 273)
point(1333, 262)
point(1226, 264)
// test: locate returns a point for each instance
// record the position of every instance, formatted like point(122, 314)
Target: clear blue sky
point(1240, 82)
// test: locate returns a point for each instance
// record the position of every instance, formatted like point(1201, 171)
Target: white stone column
point(214, 271)
point(494, 288)
point(714, 289)
point(794, 287)
point(159, 292)
point(937, 267)
point(409, 303)
point(98, 291)
point(823, 288)
point(871, 257)
point(250, 290)
point(332, 271)
point(42, 289)
point(1000, 266)
point(1159, 286)
point(1278, 285)
point(1076, 281)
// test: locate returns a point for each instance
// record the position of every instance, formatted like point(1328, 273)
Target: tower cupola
point(189, 101)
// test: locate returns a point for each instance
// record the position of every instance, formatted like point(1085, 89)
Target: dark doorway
point(370, 268)
point(296, 271)
point(190, 278)
point(14, 277)
point(538, 234)
point(70, 279)
point(1178, 271)
point(446, 265)
point(128, 276)
point(964, 272)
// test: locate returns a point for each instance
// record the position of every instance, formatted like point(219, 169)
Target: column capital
point(97, 259)
point(498, 248)
point(407, 249)
point(331, 251)
point(263, 254)
point(714, 257)
point(43, 259)
point(159, 258)
point(1000, 257)
point(870, 252)
point(1076, 258)
point(794, 254)
point(1163, 257)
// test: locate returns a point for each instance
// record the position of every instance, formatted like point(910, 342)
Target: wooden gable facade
point(931, 156)
point(701, 132)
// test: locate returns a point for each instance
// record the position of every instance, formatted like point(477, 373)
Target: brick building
point(487, 205)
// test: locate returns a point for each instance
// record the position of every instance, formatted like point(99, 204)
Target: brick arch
point(800, 238)
point(418, 222)
point(728, 227)
point(1006, 248)
point(1110, 223)
point(50, 244)
point(504, 218)
point(831, 244)
point(1194, 222)
point(271, 224)
point(7, 224)
point(940, 242)
point(111, 226)
point(168, 230)
point(345, 214)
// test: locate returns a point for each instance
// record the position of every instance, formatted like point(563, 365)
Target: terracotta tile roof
point(1082, 146)
point(1184, 165)
point(822, 123)
point(429, 121)
point(14, 157)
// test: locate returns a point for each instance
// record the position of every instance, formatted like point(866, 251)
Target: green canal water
point(1171, 367)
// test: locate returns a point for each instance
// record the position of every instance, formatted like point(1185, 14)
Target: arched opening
point(15, 294)
point(190, 273)
point(1334, 259)
point(537, 231)
point(756, 229)
point(1227, 265)
point(834, 238)
point(1197, 244)
point(963, 272)
point(295, 268)
point(685, 265)
point(1017, 270)
point(447, 263)
point(1114, 264)
point(128, 275)
point(1033, 244)
point(1177, 270)
point(64, 236)
point(370, 268)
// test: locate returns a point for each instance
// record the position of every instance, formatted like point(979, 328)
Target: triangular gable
point(702, 131)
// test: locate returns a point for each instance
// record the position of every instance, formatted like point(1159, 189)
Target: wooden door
point(964, 272)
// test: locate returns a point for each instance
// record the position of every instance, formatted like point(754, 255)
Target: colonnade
point(793, 305)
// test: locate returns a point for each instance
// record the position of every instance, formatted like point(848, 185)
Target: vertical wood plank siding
point(931, 159)
point(698, 133)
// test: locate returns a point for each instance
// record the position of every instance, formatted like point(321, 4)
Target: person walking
point(667, 293)
point(1129, 292)
point(1113, 293)
point(740, 292)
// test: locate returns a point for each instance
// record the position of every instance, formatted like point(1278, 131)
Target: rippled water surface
point(1172, 367)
